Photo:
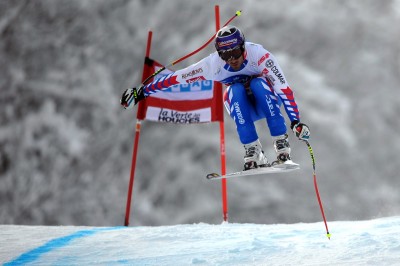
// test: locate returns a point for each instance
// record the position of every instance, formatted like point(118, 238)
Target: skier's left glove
point(302, 131)
point(136, 94)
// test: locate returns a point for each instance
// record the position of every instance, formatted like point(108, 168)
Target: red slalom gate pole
point(222, 136)
point(132, 175)
point(137, 136)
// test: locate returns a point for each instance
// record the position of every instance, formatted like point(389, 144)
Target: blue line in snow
point(34, 254)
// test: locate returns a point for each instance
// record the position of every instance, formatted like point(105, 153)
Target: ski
point(285, 167)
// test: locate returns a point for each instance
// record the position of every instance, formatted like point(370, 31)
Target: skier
point(256, 89)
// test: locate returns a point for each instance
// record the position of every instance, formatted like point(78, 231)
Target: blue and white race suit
point(255, 91)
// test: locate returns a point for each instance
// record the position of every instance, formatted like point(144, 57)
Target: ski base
point(285, 167)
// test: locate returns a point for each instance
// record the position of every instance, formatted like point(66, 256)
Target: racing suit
point(255, 91)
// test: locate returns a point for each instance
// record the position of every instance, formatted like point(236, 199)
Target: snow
point(369, 242)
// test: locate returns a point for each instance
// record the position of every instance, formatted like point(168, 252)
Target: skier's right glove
point(136, 94)
point(302, 131)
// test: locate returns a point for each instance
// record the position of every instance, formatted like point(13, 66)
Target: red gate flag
point(196, 102)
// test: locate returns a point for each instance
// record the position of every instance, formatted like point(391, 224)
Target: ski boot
point(254, 157)
point(282, 149)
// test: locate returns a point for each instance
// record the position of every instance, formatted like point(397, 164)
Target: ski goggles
point(234, 53)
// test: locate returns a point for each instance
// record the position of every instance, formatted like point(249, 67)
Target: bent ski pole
point(237, 14)
point(316, 188)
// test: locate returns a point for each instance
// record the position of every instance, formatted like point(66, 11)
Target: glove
point(136, 94)
point(302, 131)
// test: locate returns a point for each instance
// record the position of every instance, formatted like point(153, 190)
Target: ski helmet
point(229, 37)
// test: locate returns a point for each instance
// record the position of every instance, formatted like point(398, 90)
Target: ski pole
point(316, 188)
point(237, 14)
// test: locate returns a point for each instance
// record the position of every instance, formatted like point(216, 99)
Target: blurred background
point(66, 144)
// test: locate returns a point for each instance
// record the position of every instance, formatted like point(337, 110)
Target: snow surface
point(370, 242)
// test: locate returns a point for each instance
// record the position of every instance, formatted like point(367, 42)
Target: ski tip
point(213, 175)
point(288, 165)
point(290, 162)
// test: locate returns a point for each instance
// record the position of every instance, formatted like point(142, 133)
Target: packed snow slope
point(373, 242)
